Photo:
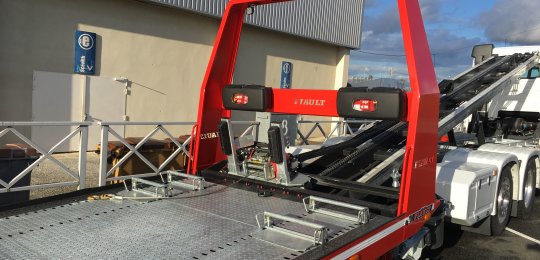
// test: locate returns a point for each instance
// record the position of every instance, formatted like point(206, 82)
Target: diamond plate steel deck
point(217, 222)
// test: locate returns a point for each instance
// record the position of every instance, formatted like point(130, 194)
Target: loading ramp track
point(460, 97)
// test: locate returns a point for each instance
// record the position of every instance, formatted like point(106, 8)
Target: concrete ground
point(48, 172)
point(458, 244)
point(466, 245)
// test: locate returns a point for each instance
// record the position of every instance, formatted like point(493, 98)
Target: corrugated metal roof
point(333, 21)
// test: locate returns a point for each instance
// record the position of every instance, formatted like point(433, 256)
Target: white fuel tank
point(469, 189)
point(499, 160)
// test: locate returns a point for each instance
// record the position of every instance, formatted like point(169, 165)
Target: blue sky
point(453, 28)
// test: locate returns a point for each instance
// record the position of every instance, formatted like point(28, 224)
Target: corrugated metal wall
point(333, 21)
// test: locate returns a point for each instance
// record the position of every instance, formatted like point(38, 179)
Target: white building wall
point(164, 52)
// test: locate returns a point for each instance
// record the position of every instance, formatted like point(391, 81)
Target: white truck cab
point(523, 97)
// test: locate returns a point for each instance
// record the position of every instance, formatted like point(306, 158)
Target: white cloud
point(516, 21)
point(382, 34)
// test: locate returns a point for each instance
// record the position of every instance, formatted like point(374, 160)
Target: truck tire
point(503, 203)
point(525, 207)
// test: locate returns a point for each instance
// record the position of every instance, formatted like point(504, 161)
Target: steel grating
point(218, 222)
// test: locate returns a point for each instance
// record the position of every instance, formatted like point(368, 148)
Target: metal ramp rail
point(474, 100)
point(167, 186)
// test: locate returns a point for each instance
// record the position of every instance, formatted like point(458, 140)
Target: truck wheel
point(526, 206)
point(503, 203)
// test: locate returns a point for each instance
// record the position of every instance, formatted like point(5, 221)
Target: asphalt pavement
point(466, 245)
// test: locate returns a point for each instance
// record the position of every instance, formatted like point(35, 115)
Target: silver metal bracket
point(320, 233)
point(232, 160)
point(197, 181)
point(161, 190)
point(312, 204)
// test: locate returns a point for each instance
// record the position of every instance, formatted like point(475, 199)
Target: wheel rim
point(503, 200)
point(529, 189)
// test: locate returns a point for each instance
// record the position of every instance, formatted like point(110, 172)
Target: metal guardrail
point(79, 176)
point(341, 128)
point(133, 150)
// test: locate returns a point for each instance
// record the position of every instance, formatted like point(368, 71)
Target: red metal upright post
point(218, 74)
point(417, 193)
point(418, 176)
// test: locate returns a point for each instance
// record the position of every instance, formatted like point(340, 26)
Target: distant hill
point(382, 82)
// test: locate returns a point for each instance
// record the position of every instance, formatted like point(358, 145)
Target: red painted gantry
point(417, 194)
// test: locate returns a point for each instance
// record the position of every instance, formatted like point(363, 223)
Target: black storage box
point(375, 103)
point(12, 162)
point(247, 97)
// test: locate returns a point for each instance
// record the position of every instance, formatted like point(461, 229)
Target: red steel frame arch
point(417, 192)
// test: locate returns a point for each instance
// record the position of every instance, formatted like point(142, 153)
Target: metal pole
point(103, 155)
point(84, 109)
point(83, 147)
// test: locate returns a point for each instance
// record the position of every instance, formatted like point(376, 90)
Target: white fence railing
point(340, 128)
point(79, 175)
point(106, 130)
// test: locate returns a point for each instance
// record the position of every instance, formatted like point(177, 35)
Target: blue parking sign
point(286, 74)
point(85, 53)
